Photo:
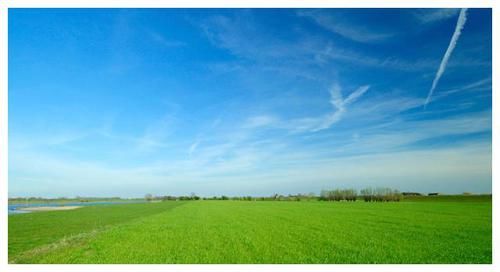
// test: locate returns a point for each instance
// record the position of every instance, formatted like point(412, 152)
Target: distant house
point(433, 194)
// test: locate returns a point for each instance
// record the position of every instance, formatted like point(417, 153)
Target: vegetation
point(420, 231)
point(275, 197)
point(380, 194)
point(339, 195)
point(148, 197)
point(31, 230)
point(369, 194)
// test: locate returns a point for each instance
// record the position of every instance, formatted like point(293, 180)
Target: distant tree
point(326, 195)
point(380, 194)
point(148, 197)
point(350, 194)
point(339, 195)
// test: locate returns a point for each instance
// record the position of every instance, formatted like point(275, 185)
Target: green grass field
point(257, 232)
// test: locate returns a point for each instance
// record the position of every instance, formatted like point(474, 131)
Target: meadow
point(422, 230)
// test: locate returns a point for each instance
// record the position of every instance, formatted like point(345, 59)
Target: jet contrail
point(458, 30)
point(339, 104)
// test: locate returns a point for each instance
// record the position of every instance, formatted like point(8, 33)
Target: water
point(14, 208)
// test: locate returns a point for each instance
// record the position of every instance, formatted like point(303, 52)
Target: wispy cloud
point(340, 105)
point(306, 56)
point(162, 40)
point(462, 18)
point(427, 16)
point(156, 133)
point(260, 121)
point(310, 124)
point(232, 33)
point(333, 164)
point(483, 84)
point(330, 52)
point(193, 146)
point(338, 25)
point(262, 115)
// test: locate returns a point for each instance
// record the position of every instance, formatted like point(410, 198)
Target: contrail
point(458, 30)
point(339, 103)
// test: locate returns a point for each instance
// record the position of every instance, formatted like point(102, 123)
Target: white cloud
point(303, 57)
point(159, 38)
point(371, 144)
point(311, 124)
point(340, 105)
point(356, 95)
point(339, 26)
point(483, 84)
point(260, 121)
point(427, 16)
point(329, 52)
point(451, 170)
point(193, 147)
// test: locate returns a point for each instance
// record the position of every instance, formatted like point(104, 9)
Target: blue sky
point(124, 102)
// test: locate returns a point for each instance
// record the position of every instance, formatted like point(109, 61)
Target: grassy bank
point(257, 232)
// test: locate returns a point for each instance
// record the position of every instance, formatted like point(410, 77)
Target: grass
point(257, 232)
point(31, 230)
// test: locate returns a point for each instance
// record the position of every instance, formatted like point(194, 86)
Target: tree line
point(274, 197)
point(379, 194)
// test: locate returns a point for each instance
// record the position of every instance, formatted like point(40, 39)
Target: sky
point(125, 102)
